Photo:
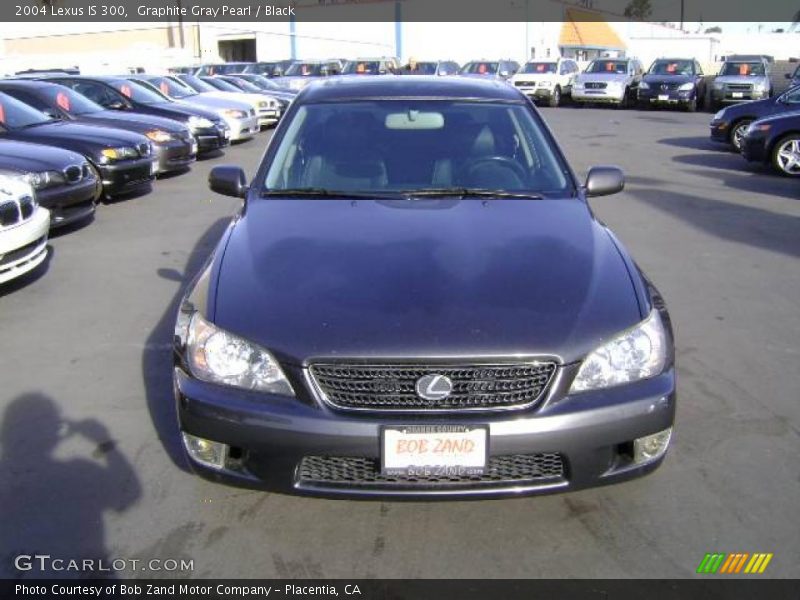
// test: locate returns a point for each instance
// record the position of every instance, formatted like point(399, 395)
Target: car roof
point(411, 86)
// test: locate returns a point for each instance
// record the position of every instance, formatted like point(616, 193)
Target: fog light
point(651, 447)
point(207, 453)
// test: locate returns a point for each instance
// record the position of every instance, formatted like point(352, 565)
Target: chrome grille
point(739, 87)
point(512, 469)
point(595, 85)
point(524, 83)
point(26, 207)
point(393, 386)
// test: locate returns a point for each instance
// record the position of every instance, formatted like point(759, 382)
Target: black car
point(775, 140)
point(729, 124)
point(124, 159)
point(173, 144)
point(118, 93)
point(65, 182)
point(416, 299)
point(673, 82)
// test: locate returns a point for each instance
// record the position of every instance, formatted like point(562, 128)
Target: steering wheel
point(501, 161)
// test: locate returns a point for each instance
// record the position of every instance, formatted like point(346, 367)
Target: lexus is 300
point(416, 299)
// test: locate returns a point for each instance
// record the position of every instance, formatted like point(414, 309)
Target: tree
point(638, 9)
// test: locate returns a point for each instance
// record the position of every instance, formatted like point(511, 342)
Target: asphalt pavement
point(90, 465)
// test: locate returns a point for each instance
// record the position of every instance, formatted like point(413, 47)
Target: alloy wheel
point(787, 156)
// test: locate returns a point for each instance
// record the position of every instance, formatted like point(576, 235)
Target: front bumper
point(242, 129)
point(212, 138)
point(175, 155)
point(267, 117)
point(24, 247)
point(271, 435)
point(607, 95)
point(754, 148)
point(665, 97)
point(535, 92)
point(70, 203)
point(127, 176)
point(726, 96)
point(720, 131)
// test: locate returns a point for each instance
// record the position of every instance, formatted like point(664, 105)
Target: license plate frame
point(476, 464)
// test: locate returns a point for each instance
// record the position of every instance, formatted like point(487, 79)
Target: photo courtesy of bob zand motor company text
point(408, 299)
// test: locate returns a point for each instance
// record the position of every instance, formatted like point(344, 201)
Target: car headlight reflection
point(44, 179)
point(234, 113)
point(218, 356)
point(108, 155)
point(686, 87)
point(635, 354)
point(195, 122)
point(158, 136)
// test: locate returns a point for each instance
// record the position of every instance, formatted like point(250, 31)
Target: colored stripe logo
point(737, 562)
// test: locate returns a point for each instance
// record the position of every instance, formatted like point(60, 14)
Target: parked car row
point(621, 82)
point(764, 131)
point(69, 141)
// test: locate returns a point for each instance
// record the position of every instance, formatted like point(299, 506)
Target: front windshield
point(539, 67)
point(138, 92)
point(168, 87)
point(390, 147)
point(197, 84)
point(619, 67)
point(672, 67)
point(362, 67)
point(69, 101)
point(16, 115)
point(303, 69)
point(480, 68)
point(221, 85)
point(743, 69)
point(420, 68)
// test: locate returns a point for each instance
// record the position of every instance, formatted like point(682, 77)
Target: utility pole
point(682, 8)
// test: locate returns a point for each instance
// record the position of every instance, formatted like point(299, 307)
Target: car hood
point(739, 79)
point(132, 121)
point(26, 157)
point(754, 108)
point(794, 115)
point(425, 278)
point(178, 110)
point(216, 103)
point(584, 77)
point(79, 137)
point(659, 79)
point(533, 76)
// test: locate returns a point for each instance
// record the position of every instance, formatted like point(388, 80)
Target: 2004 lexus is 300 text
point(415, 299)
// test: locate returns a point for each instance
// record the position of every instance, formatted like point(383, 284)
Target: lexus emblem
point(434, 387)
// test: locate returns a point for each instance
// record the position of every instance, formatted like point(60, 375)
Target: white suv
point(547, 79)
point(23, 228)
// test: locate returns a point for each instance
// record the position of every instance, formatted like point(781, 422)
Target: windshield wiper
point(324, 193)
point(464, 192)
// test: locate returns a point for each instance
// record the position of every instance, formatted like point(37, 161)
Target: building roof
point(587, 29)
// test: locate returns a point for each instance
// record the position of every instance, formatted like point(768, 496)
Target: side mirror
point(604, 181)
point(228, 181)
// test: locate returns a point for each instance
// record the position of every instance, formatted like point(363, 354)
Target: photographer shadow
point(55, 506)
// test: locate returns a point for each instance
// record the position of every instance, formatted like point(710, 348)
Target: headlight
point(756, 126)
point(545, 83)
point(108, 155)
point(44, 179)
point(759, 87)
point(199, 123)
point(718, 85)
point(234, 113)
point(217, 356)
point(719, 115)
point(578, 85)
point(158, 136)
point(686, 87)
point(638, 353)
point(644, 85)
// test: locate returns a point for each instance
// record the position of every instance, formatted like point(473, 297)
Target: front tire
point(786, 155)
point(737, 133)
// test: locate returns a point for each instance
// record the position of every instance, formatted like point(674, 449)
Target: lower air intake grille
point(513, 469)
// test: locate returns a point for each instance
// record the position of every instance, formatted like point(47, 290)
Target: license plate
point(663, 97)
point(226, 133)
point(194, 148)
point(154, 167)
point(738, 94)
point(434, 450)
